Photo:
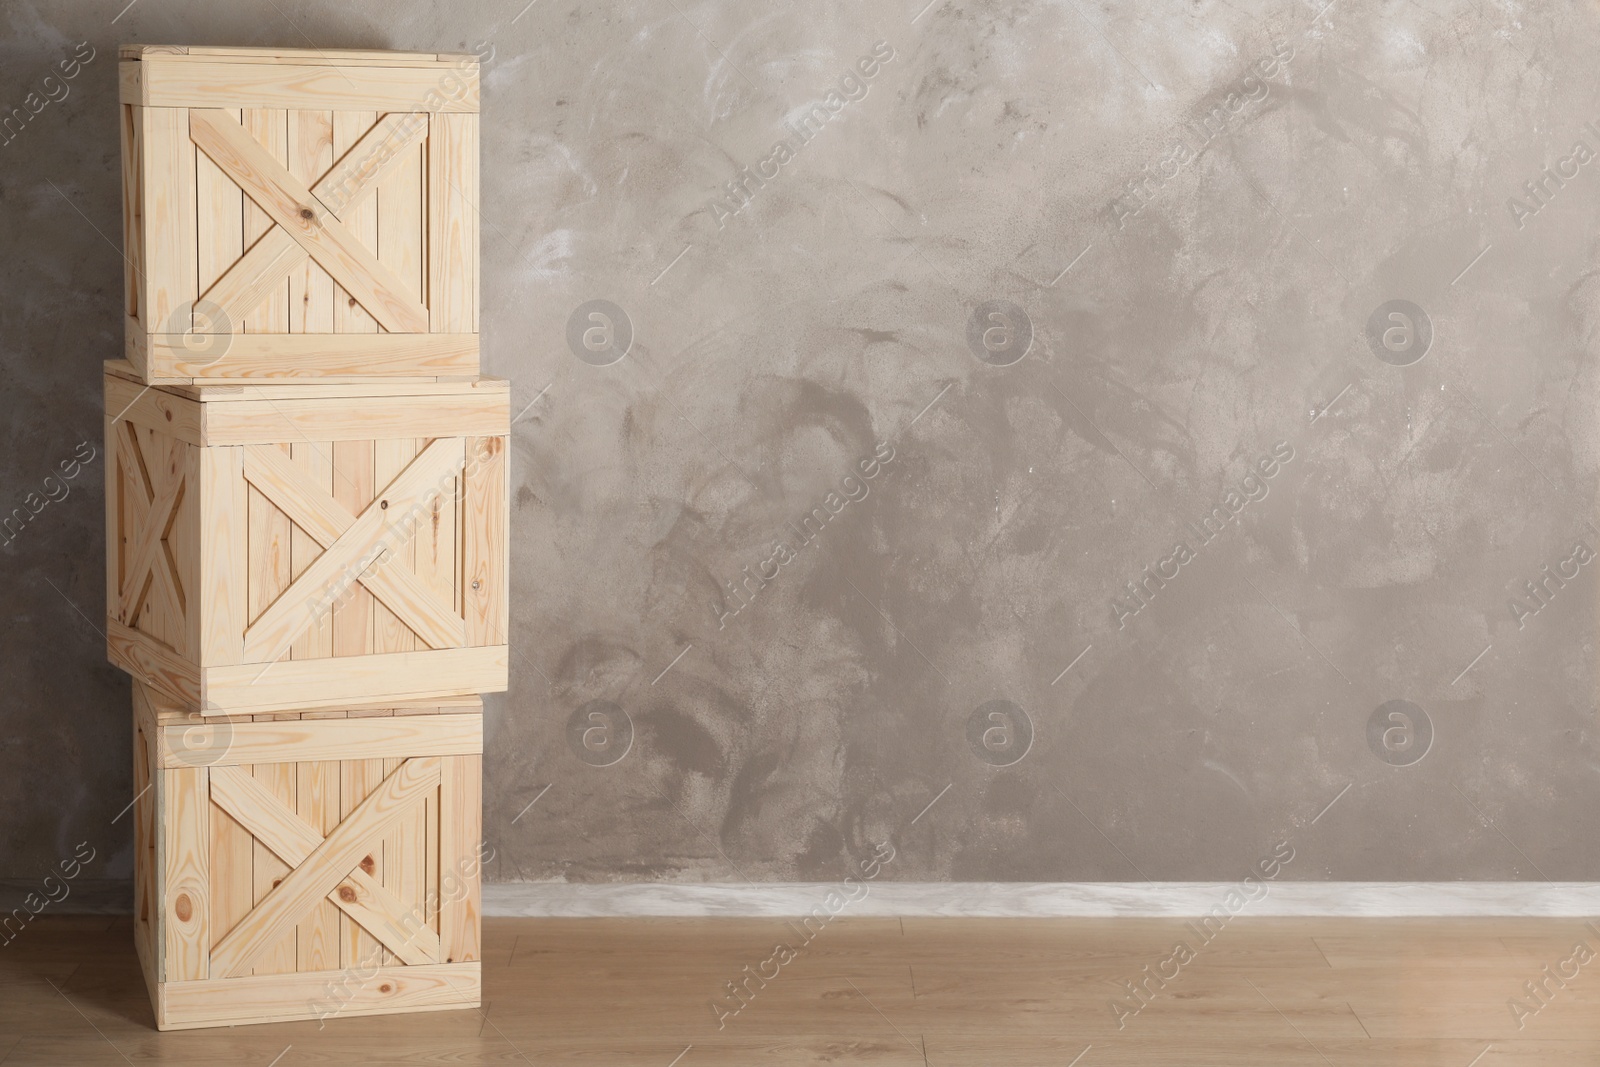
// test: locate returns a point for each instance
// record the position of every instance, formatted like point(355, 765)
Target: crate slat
point(183, 876)
point(201, 81)
point(267, 132)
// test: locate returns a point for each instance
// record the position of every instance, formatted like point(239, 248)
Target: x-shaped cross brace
point(148, 561)
point(324, 867)
point(356, 547)
point(309, 220)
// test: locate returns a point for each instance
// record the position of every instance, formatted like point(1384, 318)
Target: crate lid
point(297, 56)
point(287, 388)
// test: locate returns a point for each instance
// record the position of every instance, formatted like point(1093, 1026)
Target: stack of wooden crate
point(306, 529)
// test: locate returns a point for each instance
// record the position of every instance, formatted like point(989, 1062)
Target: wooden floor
point(1267, 992)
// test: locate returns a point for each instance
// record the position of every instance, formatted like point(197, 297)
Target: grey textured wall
point(1172, 233)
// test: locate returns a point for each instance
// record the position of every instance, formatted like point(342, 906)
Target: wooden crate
point(297, 213)
point(310, 865)
point(273, 548)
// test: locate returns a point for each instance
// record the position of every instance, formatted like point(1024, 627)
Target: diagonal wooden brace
point(356, 552)
point(328, 864)
point(359, 895)
point(148, 558)
point(311, 223)
point(348, 184)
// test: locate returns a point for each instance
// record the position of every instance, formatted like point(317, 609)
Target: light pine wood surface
point(323, 840)
point(1262, 993)
point(312, 554)
point(276, 202)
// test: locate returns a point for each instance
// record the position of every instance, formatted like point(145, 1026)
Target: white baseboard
point(1043, 900)
point(1051, 899)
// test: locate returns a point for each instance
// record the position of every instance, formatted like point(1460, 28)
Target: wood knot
point(307, 214)
point(183, 908)
point(385, 987)
point(368, 864)
point(347, 894)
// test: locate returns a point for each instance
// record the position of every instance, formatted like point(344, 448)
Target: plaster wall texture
point(1000, 436)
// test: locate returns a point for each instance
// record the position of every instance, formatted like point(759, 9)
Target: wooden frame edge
point(446, 987)
point(408, 677)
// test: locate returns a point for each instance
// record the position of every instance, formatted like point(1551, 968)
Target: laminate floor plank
point(679, 992)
